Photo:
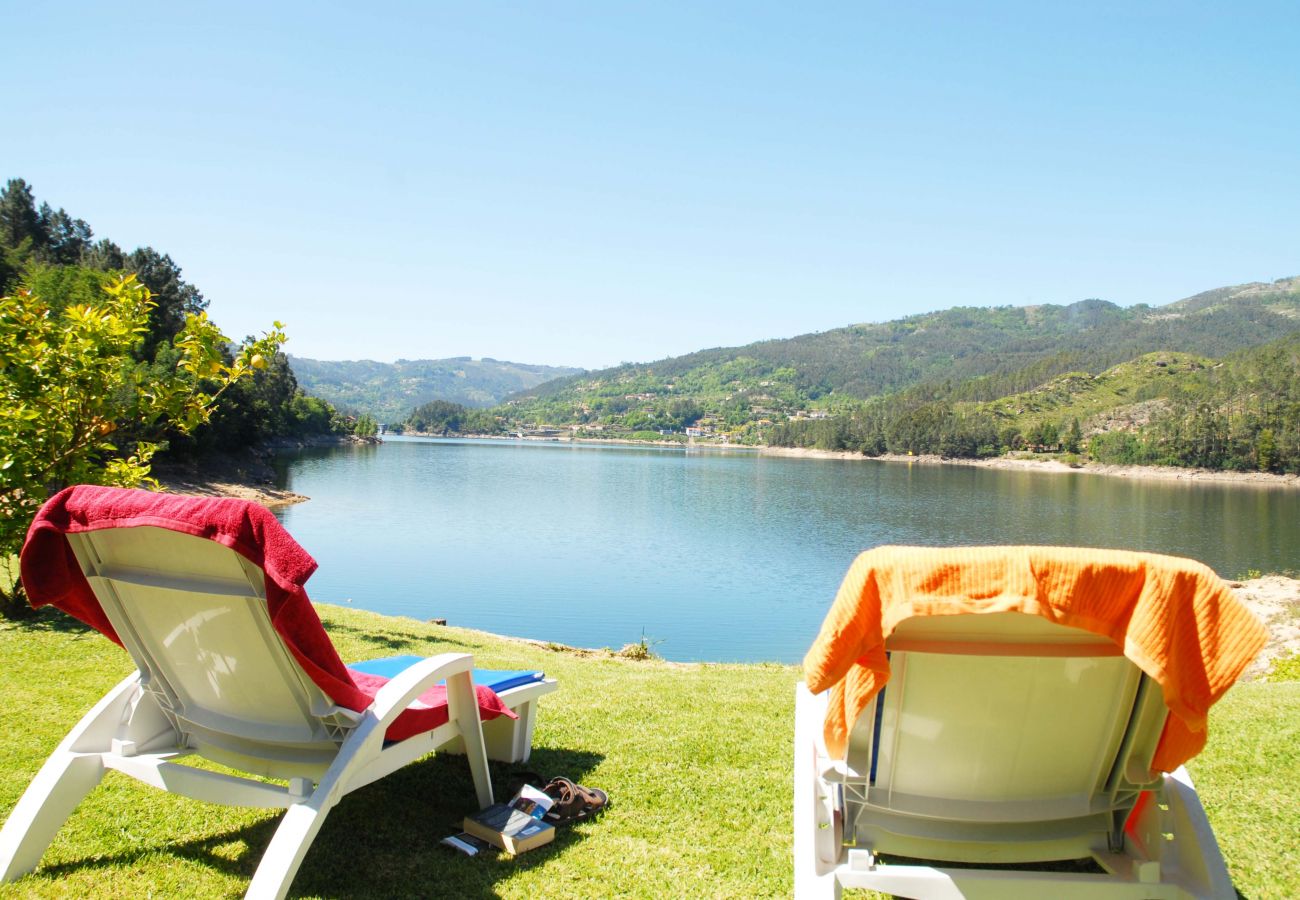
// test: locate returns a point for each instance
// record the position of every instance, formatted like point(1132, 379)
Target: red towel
point(1173, 617)
point(51, 575)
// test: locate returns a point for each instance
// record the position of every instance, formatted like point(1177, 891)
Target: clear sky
point(583, 184)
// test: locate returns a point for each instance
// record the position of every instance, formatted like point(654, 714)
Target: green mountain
point(389, 391)
point(1240, 412)
point(964, 354)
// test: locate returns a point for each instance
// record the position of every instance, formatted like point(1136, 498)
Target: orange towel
point(1174, 618)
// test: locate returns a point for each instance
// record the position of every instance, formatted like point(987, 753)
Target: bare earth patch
point(1276, 600)
point(263, 494)
point(250, 480)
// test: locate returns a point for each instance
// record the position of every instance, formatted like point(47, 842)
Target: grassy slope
point(1082, 396)
point(697, 760)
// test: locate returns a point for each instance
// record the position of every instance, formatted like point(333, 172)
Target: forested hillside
point(56, 257)
point(1200, 382)
point(390, 391)
point(1240, 412)
point(107, 360)
point(958, 354)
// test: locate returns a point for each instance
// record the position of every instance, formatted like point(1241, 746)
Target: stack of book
point(515, 827)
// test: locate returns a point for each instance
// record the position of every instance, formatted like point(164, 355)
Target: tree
point(19, 230)
point(76, 405)
point(1074, 437)
point(65, 239)
point(105, 256)
point(267, 406)
point(1266, 450)
point(174, 299)
point(365, 426)
point(19, 220)
point(1043, 435)
point(438, 417)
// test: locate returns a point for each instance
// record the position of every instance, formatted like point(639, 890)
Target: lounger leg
point(71, 772)
point(814, 873)
point(1194, 845)
point(285, 853)
point(48, 801)
point(462, 704)
point(303, 821)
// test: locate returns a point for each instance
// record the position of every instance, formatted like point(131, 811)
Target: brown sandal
point(573, 802)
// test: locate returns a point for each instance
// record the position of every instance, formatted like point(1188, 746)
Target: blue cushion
point(392, 666)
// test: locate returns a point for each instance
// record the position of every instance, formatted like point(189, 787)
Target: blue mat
point(392, 666)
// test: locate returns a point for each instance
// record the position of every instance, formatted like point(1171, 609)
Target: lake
point(721, 555)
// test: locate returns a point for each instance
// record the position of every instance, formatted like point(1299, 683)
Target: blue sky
point(583, 184)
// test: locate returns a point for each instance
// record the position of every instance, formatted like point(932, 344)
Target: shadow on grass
point(213, 852)
point(380, 841)
point(392, 640)
point(47, 618)
point(383, 841)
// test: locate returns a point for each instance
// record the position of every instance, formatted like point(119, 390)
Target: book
point(509, 827)
point(466, 843)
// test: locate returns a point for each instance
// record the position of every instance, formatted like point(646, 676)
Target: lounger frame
point(215, 680)
point(1000, 739)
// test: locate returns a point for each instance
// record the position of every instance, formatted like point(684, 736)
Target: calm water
point(717, 555)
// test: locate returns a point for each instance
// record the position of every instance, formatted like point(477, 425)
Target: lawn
point(696, 759)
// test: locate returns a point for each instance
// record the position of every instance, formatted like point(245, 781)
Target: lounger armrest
point(411, 682)
point(829, 769)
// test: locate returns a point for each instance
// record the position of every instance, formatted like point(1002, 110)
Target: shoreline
point(1005, 463)
point(568, 439)
point(266, 495)
point(1053, 466)
point(1273, 599)
point(243, 476)
point(225, 477)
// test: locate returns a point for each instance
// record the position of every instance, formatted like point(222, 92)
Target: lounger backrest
point(193, 615)
point(1006, 717)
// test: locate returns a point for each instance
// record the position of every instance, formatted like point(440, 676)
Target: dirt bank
point(1276, 600)
point(267, 495)
point(1152, 473)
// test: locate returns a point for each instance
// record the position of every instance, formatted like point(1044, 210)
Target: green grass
point(696, 759)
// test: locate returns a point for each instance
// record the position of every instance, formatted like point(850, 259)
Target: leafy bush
point(77, 407)
point(1285, 668)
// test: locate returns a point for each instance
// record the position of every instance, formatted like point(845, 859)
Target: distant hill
point(389, 391)
point(960, 354)
point(1239, 412)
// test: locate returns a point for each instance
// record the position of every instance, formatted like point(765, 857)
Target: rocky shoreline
point(267, 495)
point(244, 476)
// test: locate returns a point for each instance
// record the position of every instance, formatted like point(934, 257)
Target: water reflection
point(719, 555)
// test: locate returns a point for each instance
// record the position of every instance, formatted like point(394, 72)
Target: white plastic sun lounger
point(1000, 738)
point(216, 680)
